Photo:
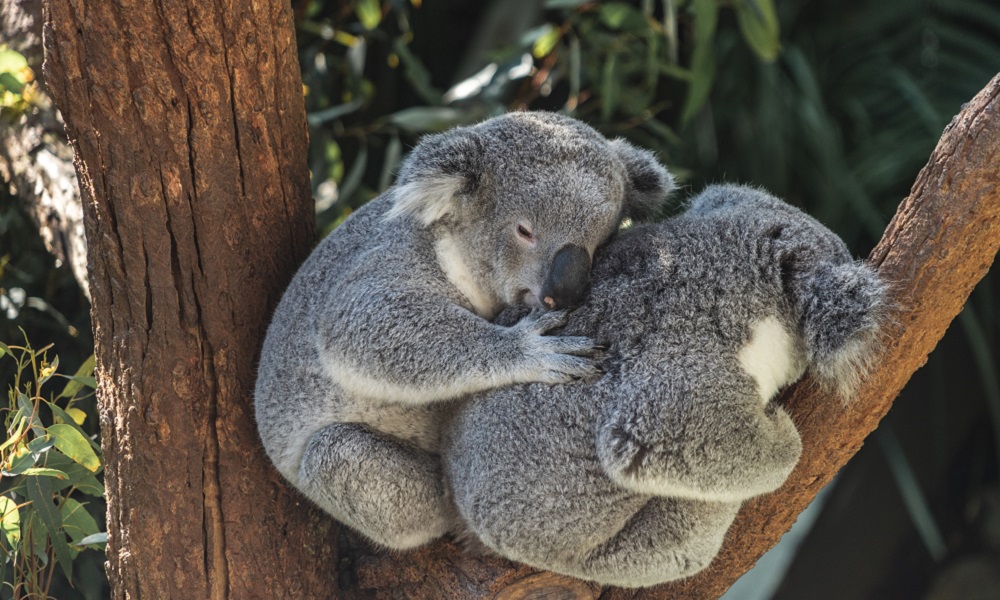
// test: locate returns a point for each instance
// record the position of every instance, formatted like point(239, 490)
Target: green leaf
point(759, 25)
point(77, 476)
point(40, 495)
point(75, 445)
point(369, 13)
point(702, 58)
point(46, 472)
point(393, 151)
point(83, 377)
point(36, 534)
point(3, 347)
point(609, 87)
point(618, 16)
point(416, 73)
point(68, 419)
point(77, 415)
point(11, 61)
point(334, 112)
point(21, 463)
point(10, 521)
point(419, 119)
point(554, 4)
point(77, 522)
point(546, 42)
point(18, 430)
point(10, 82)
point(94, 540)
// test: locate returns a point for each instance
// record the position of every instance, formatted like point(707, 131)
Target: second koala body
point(388, 319)
point(634, 479)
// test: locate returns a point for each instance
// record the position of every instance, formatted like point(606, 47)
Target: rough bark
point(36, 161)
point(189, 129)
point(941, 242)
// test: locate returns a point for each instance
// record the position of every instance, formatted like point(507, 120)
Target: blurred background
point(834, 106)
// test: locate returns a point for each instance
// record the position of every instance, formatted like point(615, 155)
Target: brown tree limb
point(36, 161)
point(941, 242)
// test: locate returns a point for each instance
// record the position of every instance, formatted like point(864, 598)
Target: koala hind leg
point(669, 538)
point(390, 491)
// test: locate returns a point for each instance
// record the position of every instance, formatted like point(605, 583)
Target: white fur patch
point(769, 357)
point(427, 199)
point(453, 264)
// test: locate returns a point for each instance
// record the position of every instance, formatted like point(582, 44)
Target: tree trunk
point(188, 124)
point(35, 159)
point(189, 129)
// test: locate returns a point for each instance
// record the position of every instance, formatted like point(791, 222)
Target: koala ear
point(649, 182)
point(437, 172)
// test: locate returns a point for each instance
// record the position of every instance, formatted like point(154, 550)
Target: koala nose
point(567, 282)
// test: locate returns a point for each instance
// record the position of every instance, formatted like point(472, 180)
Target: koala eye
point(525, 233)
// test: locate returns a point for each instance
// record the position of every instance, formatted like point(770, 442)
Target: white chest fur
point(453, 264)
point(770, 357)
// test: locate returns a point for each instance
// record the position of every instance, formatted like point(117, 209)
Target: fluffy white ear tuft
point(426, 199)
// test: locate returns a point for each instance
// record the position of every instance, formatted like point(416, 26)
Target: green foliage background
point(834, 106)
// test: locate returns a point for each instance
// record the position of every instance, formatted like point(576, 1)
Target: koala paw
point(553, 358)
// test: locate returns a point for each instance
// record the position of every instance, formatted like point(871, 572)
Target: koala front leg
point(387, 490)
point(669, 538)
point(699, 445)
point(432, 350)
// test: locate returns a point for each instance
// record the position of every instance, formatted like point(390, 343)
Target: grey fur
point(389, 317)
point(633, 479)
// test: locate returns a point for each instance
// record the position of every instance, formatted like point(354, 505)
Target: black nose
point(566, 285)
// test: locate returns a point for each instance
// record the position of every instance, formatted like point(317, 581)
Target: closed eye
point(525, 233)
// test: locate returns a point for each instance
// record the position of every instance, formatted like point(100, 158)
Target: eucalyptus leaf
point(621, 16)
point(353, 178)
point(45, 472)
point(319, 117)
point(421, 119)
point(702, 58)
point(546, 42)
point(11, 61)
point(77, 522)
point(11, 83)
point(759, 25)
point(40, 494)
point(94, 540)
point(10, 521)
point(82, 377)
point(369, 12)
point(21, 462)
point(416, 73)
point(555, 4)
point(75, 445)
point(393, 151)
point(68, 419)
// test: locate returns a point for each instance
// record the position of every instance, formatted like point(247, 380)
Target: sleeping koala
point(634, 478)
point(390, 315)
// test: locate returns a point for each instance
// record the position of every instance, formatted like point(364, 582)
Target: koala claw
point(566, 368)
point(540, 323)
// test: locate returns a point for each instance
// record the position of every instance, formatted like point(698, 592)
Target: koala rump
point(634, 478)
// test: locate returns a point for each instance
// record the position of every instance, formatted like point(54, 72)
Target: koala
point(634, 478)
point(389, 319)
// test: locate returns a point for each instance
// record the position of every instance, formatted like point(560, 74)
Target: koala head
point(525, 199)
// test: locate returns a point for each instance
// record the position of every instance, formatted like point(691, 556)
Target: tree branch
point(941, 242)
